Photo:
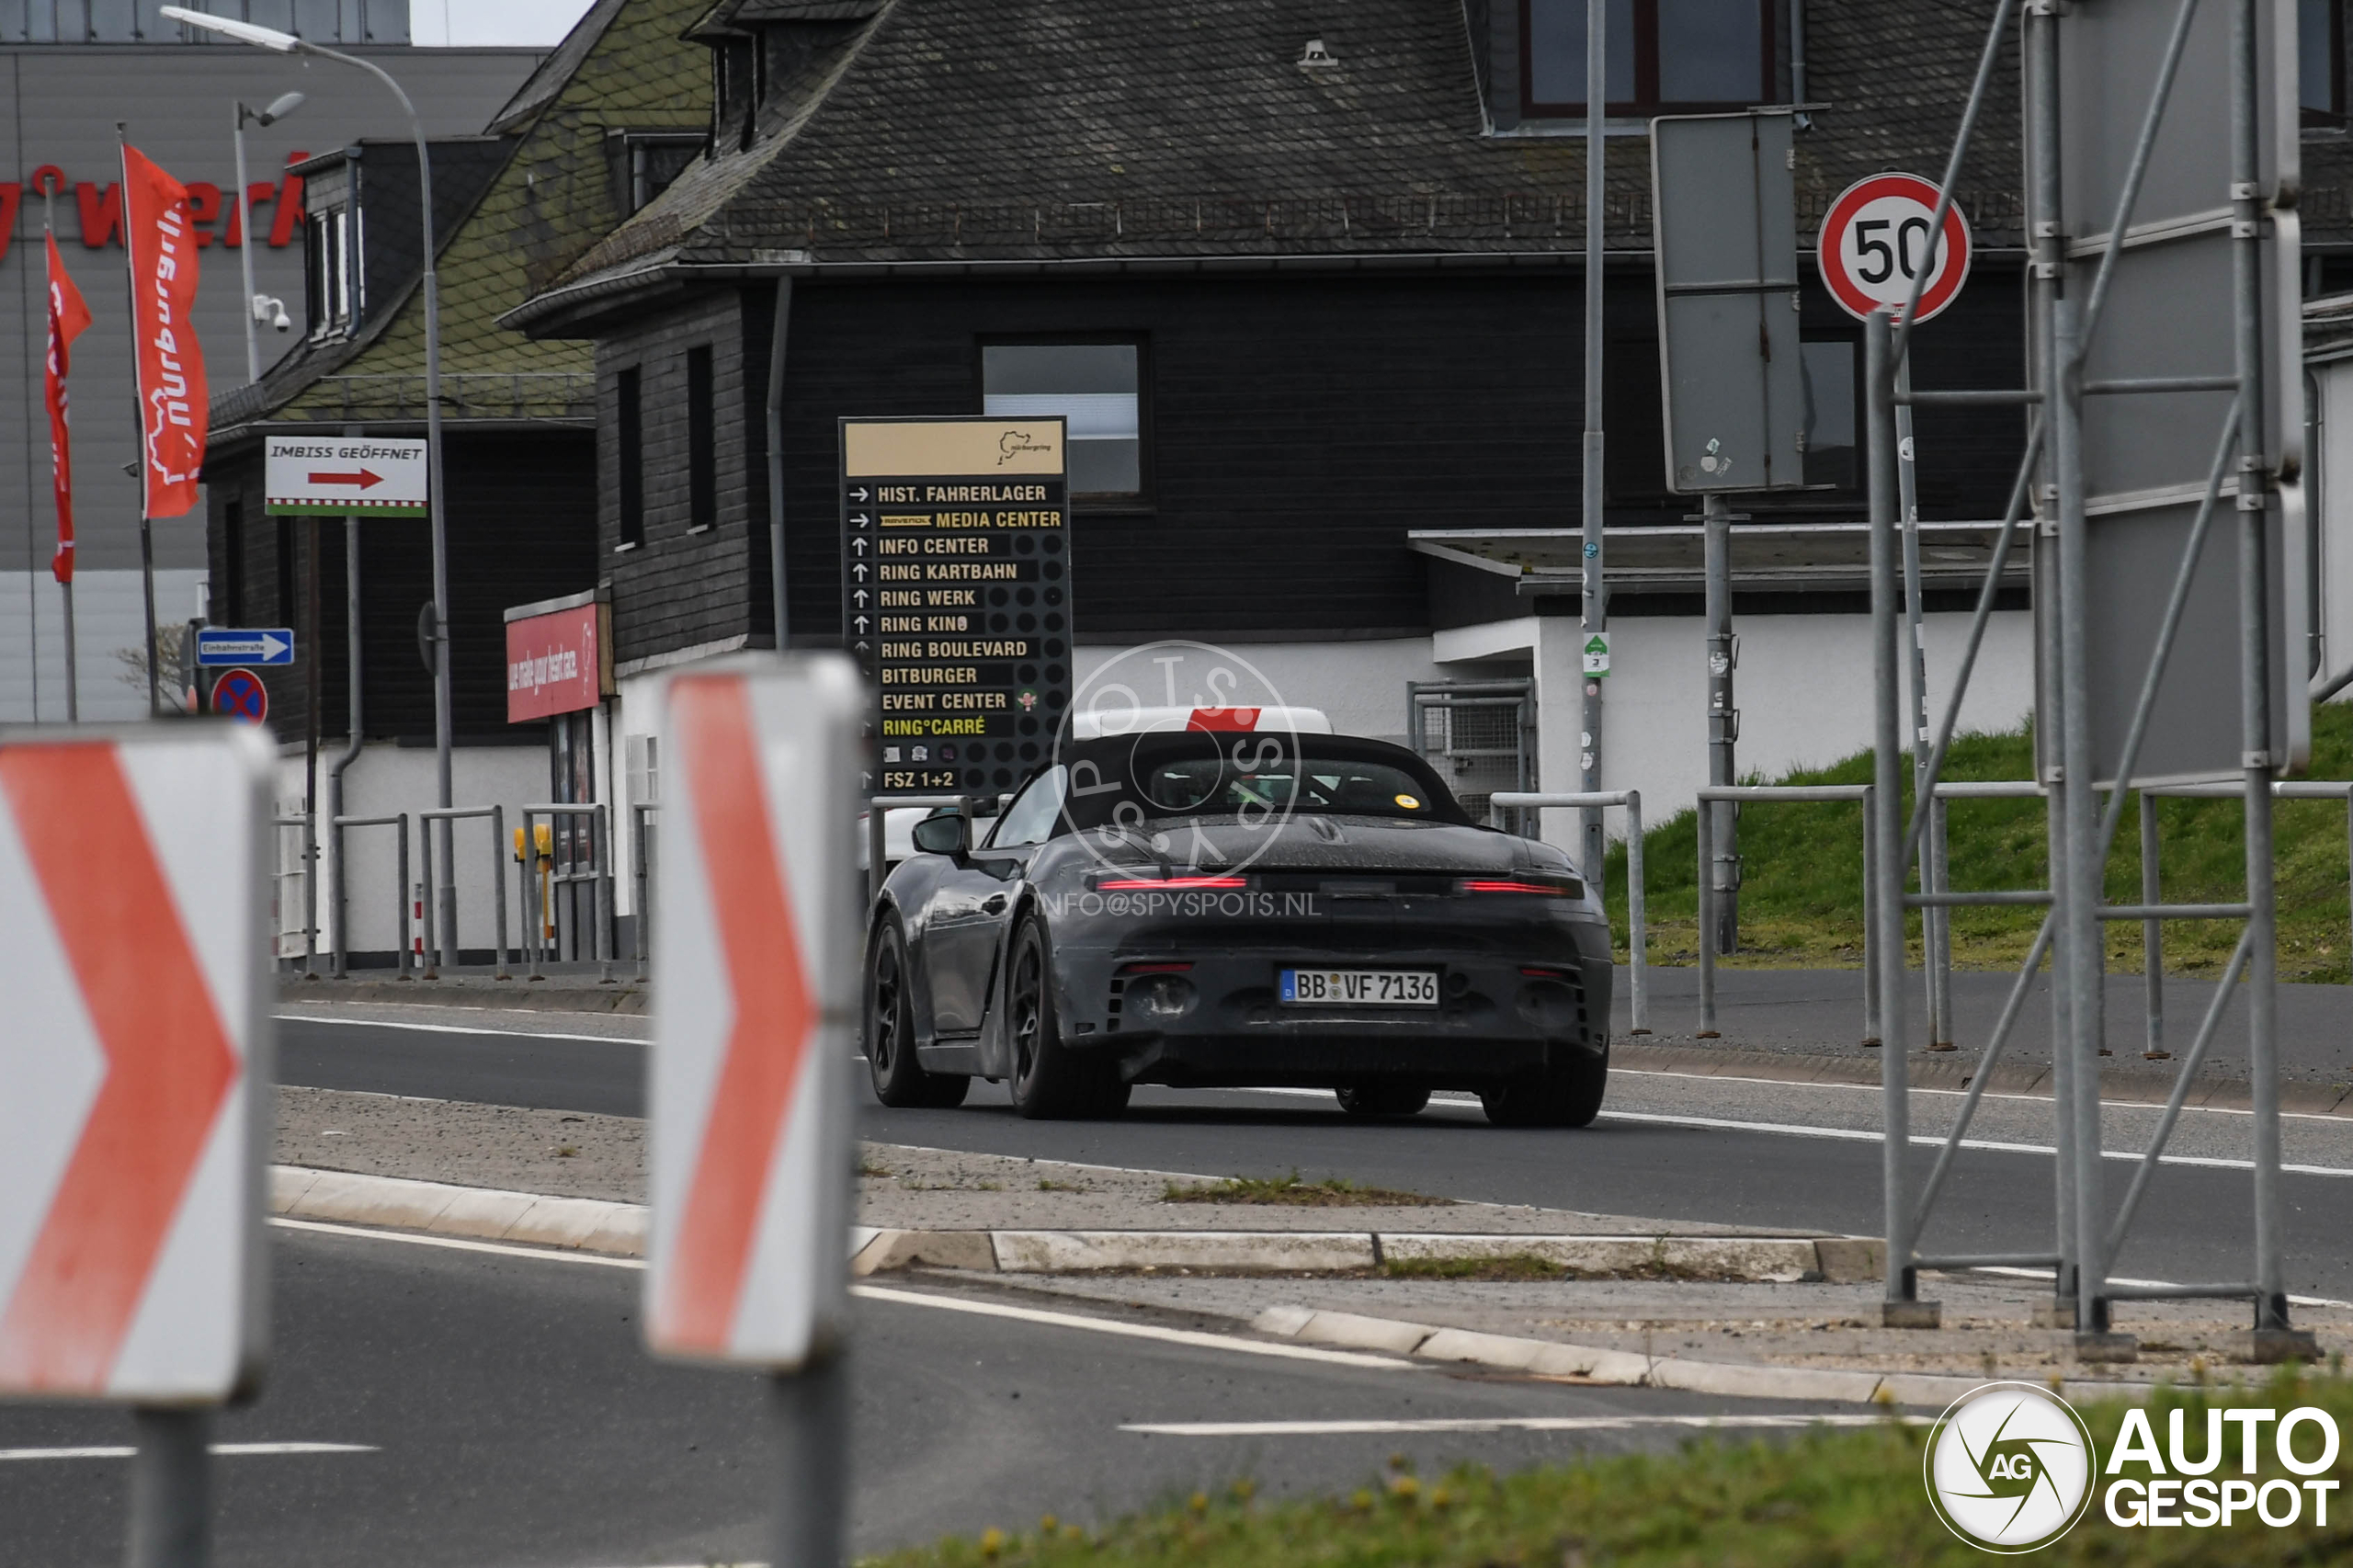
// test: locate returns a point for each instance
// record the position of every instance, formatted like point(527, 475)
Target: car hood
point(1343, 843)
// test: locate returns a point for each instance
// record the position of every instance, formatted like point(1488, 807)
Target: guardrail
point(1814, 794)
point(1637, 910)
point(342, 902)
point(444, 950)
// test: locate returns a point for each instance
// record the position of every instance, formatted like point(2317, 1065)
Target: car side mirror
point(948, 834)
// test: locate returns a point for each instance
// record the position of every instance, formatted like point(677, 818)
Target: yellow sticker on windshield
point(1409, 803)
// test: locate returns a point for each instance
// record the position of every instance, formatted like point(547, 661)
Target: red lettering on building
point(101, 215)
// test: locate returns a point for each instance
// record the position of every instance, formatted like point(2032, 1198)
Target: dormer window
point(1665, 56)
point(645, 162)
point(736, 89)
point(330, 251)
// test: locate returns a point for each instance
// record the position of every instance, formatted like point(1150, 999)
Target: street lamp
point(257, 307)
point(286, 43)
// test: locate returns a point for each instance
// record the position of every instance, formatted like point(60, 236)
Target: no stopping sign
point(1875, 244)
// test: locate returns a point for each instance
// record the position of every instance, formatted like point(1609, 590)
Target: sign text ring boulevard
point(334, 476)
point(955, 595)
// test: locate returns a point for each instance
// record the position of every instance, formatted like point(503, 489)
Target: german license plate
point(1360, 987)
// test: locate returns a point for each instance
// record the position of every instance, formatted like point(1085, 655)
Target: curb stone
point(595, 1225)
point(1547, 1357)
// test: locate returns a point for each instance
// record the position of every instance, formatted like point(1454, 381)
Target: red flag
point(67, 316)
point(172, 401)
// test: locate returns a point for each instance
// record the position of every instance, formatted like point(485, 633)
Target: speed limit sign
point(1874, 245)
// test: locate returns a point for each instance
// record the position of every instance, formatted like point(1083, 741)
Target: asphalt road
point(2193, 1223)
point(513, 1421)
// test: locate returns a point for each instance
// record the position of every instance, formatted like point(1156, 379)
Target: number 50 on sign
point(1875, 246)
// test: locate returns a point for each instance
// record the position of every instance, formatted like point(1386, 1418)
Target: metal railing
point(442, 935)
point(1637, 911)
point(305, 872)
point(565, 871)
point(641, 857)
point(342, 901)
point(1813, 794)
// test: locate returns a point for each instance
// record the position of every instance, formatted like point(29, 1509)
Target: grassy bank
point(1802, 902)
point(1851, 1495)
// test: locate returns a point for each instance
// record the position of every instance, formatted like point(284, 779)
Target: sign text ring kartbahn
point(955, 595)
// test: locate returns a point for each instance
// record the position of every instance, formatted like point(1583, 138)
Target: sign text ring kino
point(335, 476)
point(955, 595)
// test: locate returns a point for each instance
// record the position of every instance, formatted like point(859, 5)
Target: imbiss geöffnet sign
point(955, 595)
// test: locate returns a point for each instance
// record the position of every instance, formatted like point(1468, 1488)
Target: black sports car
point(1238, 909)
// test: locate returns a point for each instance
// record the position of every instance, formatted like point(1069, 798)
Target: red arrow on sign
point(366, 479)
point(776, 1013)
point(169, 1067)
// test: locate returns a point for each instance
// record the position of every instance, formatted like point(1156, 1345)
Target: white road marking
point(2118, 1279)
point(229, 1450)
point(458, 1244)
point(1498, 1424)
point(1957, 1094)
point(1862, 1135)
point(451, 1029)
point(1135, 1330)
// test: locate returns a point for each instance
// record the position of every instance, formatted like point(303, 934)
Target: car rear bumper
point(1497, 1016)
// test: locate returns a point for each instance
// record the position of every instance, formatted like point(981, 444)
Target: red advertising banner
point(67, 316)
point(172, 398)
point(554, 664)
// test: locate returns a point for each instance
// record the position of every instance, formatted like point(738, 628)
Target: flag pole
point(65, 584)
point(139, 430)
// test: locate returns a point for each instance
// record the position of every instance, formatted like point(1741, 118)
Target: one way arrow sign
point(131, 1262)
point(233, 645)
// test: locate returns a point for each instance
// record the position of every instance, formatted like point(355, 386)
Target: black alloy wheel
point(899, 1080)
point(1565, 1096)
point(1050, 1081)
point(1382, 1097)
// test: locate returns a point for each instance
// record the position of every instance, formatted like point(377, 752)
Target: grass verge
point(1802, 899)
point(1333, 1192)
point(1847, 1495)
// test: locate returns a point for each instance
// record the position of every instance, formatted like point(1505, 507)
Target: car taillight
point(1154, 968)
point(1170, 884)
point(1545, 890)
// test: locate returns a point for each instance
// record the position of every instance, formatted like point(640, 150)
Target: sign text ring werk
point(334, 476)
point(955, 595)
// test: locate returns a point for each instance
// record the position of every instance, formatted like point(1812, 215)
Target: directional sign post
point(750, 1107)
point(133, 892)
point(955, 595)
point(233, 645)
point(335, 476)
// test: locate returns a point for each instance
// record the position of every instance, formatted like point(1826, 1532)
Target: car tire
point(1377, 1097)
point(1568, 1095)
point(889, 1035)
point(1050, 1082)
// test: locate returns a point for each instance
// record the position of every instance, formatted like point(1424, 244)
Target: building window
point(628, 434)
point(1664, 55)
point(2320, 45)
point(1097, 386)
point(289, 573)
point(332, 296)
point(702, 442)
point(1829, 412)
point(645, 162)
point(233, 564)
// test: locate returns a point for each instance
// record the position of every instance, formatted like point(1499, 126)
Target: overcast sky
point(539, 22)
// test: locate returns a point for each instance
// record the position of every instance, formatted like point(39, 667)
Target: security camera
point(281, 321)
point(271, 311)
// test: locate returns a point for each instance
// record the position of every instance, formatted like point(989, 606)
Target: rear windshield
point(1323, 785)
point(1253, 776)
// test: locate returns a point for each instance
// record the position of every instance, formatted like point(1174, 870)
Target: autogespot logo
point(2010, 1467)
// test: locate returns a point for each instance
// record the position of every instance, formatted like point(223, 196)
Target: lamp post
point(286, 43)
point(258, 309)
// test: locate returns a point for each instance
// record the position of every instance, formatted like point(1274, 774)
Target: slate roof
point(1005, 132)
point(624, 67)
